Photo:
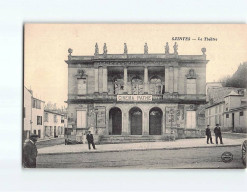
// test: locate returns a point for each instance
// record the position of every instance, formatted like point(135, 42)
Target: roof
point(233, 93)
point(53, 112)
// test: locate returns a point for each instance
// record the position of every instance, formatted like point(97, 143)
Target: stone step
point(108, 139)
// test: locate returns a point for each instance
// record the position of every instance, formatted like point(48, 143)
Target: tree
point(238, 79)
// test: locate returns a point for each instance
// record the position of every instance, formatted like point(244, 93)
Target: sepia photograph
point(134, 96)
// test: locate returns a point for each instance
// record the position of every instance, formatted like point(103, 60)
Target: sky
point(46, 49)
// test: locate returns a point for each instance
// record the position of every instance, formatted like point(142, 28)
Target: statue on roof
point(167, 48)
point(96, 49)
point(104, 49)
point(70, 52)
point(203, 51)
point(125, 49)
point(146, 48)
point(175, 47)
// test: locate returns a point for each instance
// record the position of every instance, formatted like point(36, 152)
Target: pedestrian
point(208, 134)
point(30, 152)
point(90, 140)
point(217, 133)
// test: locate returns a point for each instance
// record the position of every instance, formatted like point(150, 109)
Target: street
point(178, 158)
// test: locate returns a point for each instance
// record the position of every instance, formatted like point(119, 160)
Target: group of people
point(217, 133)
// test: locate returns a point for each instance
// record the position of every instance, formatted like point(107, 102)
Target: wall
point(28, 109)
point(38, 112)
point(49, 126)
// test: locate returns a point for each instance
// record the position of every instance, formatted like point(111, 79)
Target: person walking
point(30, 152)
point(217, 133)
point(90, 140)
point(208, 134)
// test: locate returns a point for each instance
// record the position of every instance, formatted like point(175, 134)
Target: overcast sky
point(46, 48)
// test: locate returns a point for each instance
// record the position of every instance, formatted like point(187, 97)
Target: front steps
point(116, 139)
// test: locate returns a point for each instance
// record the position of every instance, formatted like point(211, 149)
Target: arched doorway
point(135, 121)
point(115, 121)
point(155, 121)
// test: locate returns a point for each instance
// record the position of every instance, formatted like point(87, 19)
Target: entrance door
point(55, 132)
point(155, 121)
point(116, 121)
point(39, 133)
point(233, 122)
point(136, 121)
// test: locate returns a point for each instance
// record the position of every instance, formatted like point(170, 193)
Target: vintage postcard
point(135, 96)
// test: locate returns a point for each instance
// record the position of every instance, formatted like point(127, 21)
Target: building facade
point(228, 111)
point(27, 113)
point(54, 124)
point(136, 94)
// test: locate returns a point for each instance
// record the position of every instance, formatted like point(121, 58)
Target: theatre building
point(136, 97)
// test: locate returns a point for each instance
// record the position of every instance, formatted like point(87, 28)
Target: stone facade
point(136, 94)
point(54, 124)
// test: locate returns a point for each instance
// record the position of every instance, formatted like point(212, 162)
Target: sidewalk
point(173, 145)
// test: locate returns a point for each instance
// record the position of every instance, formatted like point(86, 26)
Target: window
point(155, 85)
point(137, 85)
point(216, 109)
point(191, 120)
point(82, 86)
point(34, 132)
point(46, 117)
point(227, 115)
point(62, 119)
point(81, 119)
point(39, 120)
point(191, 86)
point(118, 85)
point(55, 118)
point(241, 113)
point(34, 103)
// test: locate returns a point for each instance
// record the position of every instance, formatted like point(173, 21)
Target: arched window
point(137, 85)
point(155, 86)
point(118, 85)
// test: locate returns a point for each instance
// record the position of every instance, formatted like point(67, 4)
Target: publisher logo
point(227, 157)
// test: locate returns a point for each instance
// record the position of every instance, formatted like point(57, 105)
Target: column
point(104, 79)
point(171, 80)
point(145, 122)
point(125, 123)
point(96, 80)
point(145, 80)
point(175, 87)
point(125, 80)
point(166, 79)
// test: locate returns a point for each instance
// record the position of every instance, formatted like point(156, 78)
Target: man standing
point(90, 140)
point(208, 134)
point(30, 152)
point(217, 133)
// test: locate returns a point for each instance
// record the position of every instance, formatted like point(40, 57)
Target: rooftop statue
point(96, 49)
point(104, 49)
point(167, 48)
point(145, 48)
point(125, 49)
point(175, 47)
point(70, 52)
point(203, 51)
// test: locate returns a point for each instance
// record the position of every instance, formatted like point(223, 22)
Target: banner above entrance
point(134, 98)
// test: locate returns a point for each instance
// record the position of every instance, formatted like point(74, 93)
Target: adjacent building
point(37, 120)
point(54, 124)
point(136, 95)
point(227, 107)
